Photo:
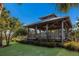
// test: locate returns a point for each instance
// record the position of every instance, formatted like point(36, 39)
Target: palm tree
point(66, 6)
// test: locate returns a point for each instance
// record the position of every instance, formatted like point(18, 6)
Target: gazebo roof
point(54, 23)
point(48, 16)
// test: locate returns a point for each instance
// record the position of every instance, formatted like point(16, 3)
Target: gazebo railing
point(51, 36)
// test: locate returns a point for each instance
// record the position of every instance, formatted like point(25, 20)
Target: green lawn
point(30, 50)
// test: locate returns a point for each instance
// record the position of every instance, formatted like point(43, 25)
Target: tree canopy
point(8, 25)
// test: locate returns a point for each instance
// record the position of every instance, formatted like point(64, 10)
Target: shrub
point(72, 45)
point(20, 32)
point(51, 44)
point(42, 43)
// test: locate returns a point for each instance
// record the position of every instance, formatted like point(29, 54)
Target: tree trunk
point(9, 37)
point(6, 38)
point(0, 39)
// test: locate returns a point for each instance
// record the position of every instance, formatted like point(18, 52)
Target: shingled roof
point(54, 23)
point(48, 16)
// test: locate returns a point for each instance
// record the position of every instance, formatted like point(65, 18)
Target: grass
point(18, 49)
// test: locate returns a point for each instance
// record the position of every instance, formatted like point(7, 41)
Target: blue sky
point(30, 12)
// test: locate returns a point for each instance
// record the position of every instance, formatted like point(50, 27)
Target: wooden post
point(57, 34)
point(28, 32)
point(66, 34)
point(40, 32)
point(62, 32)
point(36, 31)
point(47, 32)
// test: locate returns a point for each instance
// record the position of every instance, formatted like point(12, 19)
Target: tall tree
point(5, 20)
point(66, 6)
point(1, 7)
point(8, 25)
point(1, 29)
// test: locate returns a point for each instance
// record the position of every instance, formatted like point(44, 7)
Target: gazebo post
point(40, 33)
point(66, 33)
point(36, 31)
point(28, 32)
point(68, 37)
point(62, 32)
point(47, 31)
point(57, 33)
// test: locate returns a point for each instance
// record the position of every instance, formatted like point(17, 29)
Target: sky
point(29, 13)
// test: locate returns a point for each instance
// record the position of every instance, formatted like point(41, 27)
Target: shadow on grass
point(45, 44)
point(10, 44)
point(41, 44)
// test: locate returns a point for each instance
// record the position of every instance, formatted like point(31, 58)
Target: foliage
point(42, 43)
point(75, 31)
point(72, 45)
point(20, 32)
point(66, 6)
point(8, 25)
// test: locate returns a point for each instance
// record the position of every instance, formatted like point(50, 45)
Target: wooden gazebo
point(50, 27)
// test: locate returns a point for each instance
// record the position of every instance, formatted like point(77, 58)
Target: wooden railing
point(44, 36)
